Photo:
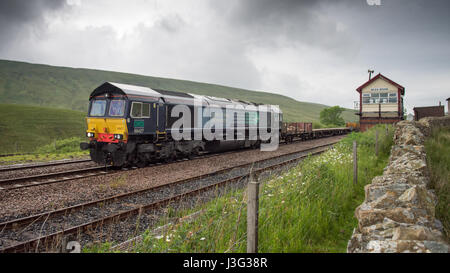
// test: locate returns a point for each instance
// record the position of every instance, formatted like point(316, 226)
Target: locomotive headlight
point(89, 134)
point(118, 136)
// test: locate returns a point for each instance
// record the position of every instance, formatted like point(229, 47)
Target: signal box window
point(366, 98)
point(374, 98)
point(98, 108)
point(140, 110)
point(392, 97)
point(383, 97)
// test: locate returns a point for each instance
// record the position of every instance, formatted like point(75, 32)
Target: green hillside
point(29, 127)
point(69, 88)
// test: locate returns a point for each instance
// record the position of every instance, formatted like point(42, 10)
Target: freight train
point(130, 125)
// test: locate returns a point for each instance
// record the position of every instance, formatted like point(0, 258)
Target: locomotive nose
point(110, 130)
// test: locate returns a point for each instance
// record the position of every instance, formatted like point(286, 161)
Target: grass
point(438, 160)
point(309, 208)
point(69, 88)
point(62, 146)
point(40, 134)
point(19, 159)
point(59, 149)
point(23, 128)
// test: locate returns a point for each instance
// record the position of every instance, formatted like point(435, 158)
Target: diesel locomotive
point(132, 125)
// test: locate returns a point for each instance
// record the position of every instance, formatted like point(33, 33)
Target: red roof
point(401, 88)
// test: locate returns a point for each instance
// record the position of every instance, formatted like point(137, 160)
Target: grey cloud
point(196, 55)
point(401, 34)
point(19, 17)
point(332, 43)
point(268, 11)
point(286, 23)
point(19, 11)
point(171, 23)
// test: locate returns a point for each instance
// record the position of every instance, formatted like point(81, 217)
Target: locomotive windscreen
point(98, 108)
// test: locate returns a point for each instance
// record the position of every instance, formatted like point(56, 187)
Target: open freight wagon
point(291, 130)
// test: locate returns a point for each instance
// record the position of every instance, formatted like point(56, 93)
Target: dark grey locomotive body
point(134, 125)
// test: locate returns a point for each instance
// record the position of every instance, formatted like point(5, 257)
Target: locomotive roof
point(169, 96)
point(124, 89)
point(174, 93)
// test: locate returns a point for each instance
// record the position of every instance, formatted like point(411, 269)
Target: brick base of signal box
point(367, 123)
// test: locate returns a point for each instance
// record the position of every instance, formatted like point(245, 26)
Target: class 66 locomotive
point(131, 125)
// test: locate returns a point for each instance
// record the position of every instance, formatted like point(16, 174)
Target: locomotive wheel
point(172, 157)
point(141, 164)
point(195, 152)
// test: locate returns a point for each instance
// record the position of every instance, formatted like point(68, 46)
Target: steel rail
point(31, 166)
point(30, 183)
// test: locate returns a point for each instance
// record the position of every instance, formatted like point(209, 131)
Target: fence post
point(355, 163)
point(376, 143)
point(252, 216)
point(64, 245)
point(387, 130)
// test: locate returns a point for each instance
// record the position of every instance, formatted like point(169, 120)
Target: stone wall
point(398, 214)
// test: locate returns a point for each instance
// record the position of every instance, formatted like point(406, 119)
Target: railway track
point(58, 177)
point(88, 216)
point(6, 155)
point(16, 167)
point(51, 164)
point(49, 178)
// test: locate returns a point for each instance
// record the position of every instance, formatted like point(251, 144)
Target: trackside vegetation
point(23, 128)
point(309, 208)
point(58, 149)
point(332, 116)
point(438, 160)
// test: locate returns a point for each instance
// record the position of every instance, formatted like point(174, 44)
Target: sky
point(315, 51)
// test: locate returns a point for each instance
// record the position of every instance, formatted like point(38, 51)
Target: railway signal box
point(380, 102)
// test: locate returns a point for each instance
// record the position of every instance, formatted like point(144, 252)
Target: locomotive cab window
point(117, 108)
point(140, 110)
point(98, 108)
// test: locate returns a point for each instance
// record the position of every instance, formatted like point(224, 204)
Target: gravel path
point(28, 201)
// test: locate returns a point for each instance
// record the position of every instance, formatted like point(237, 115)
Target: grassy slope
point(31, 126)
point(438, 157)
point(63, 87)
